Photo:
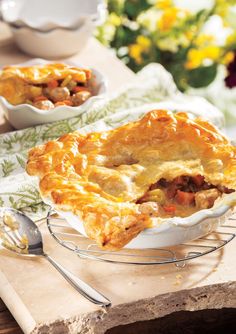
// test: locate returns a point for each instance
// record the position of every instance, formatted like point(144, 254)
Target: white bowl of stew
point(29, 114)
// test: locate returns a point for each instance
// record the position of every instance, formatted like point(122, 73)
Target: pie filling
point(48, 86)
point(180, 197)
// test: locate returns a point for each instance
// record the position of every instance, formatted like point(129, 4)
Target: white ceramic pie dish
point(172, 231)
point(165, 232)
point(25, 115)
point(49, 44)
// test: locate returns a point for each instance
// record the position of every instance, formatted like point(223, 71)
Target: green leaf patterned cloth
point(153, 88)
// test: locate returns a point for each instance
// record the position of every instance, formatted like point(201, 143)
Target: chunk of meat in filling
point(149, 208)
point(205, 199)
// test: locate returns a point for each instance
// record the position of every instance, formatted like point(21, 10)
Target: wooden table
point(137, 293)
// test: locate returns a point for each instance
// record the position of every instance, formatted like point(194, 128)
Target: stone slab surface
point(43, 302)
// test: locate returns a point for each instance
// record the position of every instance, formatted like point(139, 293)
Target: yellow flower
point(189, 35)
point(114, 19)
point(171, 17)
point(135, 52)
point(141, 46)
point(144, 42)
point(228, 58)
point(211, 52)
point(194, 59)
point(168, 19)
point(163, 4)
point(204, 39)
point(231, 39)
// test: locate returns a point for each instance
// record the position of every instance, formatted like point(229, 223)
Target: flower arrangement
point(144, 31)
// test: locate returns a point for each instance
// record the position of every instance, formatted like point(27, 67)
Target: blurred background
point(194, 40)
point(190, 38)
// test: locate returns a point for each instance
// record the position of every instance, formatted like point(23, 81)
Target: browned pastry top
point(101, 176)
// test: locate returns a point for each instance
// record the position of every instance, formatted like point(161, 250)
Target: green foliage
point(21, 160)
point(7, 167)
point(133, 7)
point(116, 6)
point(144, 31)
point(202, 76)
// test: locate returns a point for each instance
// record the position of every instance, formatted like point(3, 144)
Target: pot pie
point(46, 86)
point(120, 181)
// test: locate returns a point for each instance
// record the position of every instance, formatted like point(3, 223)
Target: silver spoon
point(18, 233)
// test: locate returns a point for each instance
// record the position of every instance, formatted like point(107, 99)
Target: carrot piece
point(40, 98)
point(63, 103)
point(198, 180)
point(77, 89)
point(53, 84)
point(68, 102)
point(88, 74)
point(184, 198)
point(170, 208)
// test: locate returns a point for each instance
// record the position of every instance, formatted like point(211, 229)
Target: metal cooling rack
point(71, 239)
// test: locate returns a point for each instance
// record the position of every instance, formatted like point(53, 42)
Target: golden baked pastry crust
point(15, 81)
point(100, 176)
